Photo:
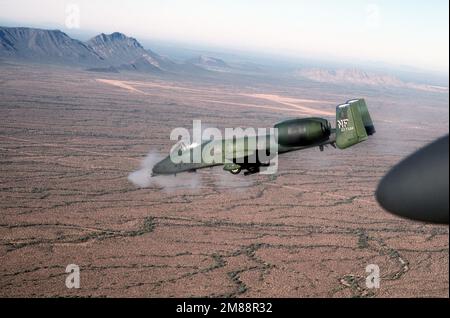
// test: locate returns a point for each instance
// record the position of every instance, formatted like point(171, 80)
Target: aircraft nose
point(165, 166)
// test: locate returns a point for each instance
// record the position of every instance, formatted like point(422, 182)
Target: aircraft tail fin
point(365, 115)
point(353, 123)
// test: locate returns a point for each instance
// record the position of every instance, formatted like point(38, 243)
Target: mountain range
point(103, 53)
point(210, 63)
point(354, 76)
point(116, 52)
point(45, 46)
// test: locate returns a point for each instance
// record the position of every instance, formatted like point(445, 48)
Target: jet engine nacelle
point(302, 131)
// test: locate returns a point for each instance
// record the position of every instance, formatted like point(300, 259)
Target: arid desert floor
point(69, 139)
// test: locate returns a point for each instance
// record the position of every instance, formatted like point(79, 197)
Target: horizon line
point(271, 54)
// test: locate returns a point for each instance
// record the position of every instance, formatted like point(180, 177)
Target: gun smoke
point(142, 178)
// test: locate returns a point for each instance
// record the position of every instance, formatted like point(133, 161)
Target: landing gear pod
point(233, 168)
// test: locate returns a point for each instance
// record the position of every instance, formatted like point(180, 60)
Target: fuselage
point(241, 151)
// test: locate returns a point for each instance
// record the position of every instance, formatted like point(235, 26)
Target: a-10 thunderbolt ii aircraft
point(353, 125)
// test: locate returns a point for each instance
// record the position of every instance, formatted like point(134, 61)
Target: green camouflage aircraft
point(250, 153)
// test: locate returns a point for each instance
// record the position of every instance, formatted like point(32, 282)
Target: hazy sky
point(407, 32)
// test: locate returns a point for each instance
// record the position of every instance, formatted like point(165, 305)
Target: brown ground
point(69, 139)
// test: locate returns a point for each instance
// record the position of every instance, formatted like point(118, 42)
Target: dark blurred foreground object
point(417, 187)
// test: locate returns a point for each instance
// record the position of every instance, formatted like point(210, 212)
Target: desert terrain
point(69, 140)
